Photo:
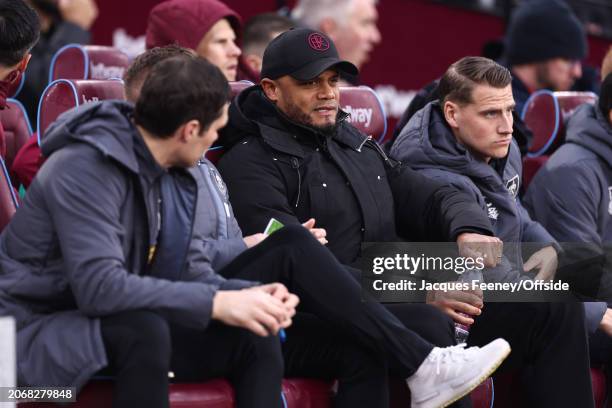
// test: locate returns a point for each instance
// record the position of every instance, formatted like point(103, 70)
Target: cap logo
point(317, 42)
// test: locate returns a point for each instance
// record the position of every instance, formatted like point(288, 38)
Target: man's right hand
point(319, 233)
point(254, 309)
point(455, 302)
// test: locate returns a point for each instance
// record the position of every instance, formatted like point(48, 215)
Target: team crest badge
point(220, 184)
point(513, 185)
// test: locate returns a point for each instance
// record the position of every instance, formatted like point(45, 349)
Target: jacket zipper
point(296, 166)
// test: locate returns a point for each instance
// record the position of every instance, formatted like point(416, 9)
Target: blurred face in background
point(219, 47)
point(356, 37)
point(558, 74)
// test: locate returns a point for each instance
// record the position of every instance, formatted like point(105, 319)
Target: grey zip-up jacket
point(79, 246)
point(572, 194)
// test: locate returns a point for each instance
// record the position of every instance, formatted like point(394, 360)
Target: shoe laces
point(453, 354)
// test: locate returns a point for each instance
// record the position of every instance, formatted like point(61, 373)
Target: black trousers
point(329, 291)
point(142, 348)
point(549, 350)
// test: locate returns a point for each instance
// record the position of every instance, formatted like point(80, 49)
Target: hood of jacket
point(103, 125)
point(589, 128)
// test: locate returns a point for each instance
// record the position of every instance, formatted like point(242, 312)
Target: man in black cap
point(545, 44)
point(291, 156)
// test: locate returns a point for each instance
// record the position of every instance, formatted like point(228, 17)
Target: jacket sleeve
point(565, 204)
point(533, 231)
point(84, 198)
point(446, 211)
point(256, 187)
point(593, 313)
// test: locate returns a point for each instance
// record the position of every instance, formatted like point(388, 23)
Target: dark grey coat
point(427, 144)
point(78, 247)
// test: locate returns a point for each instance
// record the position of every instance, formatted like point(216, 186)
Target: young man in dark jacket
point(282, 166)
point(465, 139)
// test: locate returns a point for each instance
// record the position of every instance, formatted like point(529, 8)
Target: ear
point(610, 116)
point(330, 27)
point(253, 61)
point(270, 88)
point(188, 131)
point(24, 62)
point(451, 114)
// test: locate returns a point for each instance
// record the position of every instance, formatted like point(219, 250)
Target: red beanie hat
point(185, 22)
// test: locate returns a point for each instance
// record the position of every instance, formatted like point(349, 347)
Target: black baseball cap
point(303, 54)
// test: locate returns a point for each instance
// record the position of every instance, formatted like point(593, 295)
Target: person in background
point(209, 27)
point(62, 22)
point(545, 44)
point(572, 198)
point(259, 30)
point(351, 25)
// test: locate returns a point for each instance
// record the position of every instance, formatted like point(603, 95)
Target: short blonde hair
point(606, 65)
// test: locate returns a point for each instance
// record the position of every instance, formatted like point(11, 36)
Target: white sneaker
point(449, 373)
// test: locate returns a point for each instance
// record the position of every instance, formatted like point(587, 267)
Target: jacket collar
point(286, 140)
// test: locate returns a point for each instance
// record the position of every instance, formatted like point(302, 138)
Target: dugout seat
point(365, 109)
point(545, 113)
point(75, 61)
point(64, 94)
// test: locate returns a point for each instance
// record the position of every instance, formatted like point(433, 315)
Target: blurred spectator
point(606, 66)
point(209, 27)
point(545, 44)
point(258, 32)
point(62, 22)
point(351, 24)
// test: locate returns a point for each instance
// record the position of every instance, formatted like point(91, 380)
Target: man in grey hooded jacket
point(465, 139)
point(572, 197)
point(80, 271)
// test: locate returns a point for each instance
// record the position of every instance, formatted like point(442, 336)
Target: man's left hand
point(546, 261)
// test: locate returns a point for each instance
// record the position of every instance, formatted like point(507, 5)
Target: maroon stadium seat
point(545, 113)
point(75, 61)
point(8, 199)
point(17, 129)
point(365, 109)
point(508, 389)
point(63, 94)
